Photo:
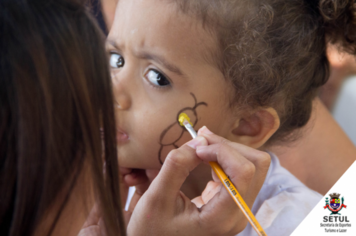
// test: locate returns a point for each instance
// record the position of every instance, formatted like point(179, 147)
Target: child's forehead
point(159, 25)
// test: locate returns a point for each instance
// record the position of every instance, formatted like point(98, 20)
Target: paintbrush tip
point(184, 119)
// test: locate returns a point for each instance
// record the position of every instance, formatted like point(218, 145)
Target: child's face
point(162, 64)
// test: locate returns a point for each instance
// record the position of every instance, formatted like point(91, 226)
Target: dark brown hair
point(274, 51)
point(55, 97)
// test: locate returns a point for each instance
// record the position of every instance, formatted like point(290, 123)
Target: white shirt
point(282, 203)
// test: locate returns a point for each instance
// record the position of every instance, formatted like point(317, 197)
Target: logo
point(334, 206)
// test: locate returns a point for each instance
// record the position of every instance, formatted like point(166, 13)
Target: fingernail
point(205, 130)
point(196, 142)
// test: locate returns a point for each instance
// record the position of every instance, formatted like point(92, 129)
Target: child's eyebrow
point(151, 56)
point(161, 60)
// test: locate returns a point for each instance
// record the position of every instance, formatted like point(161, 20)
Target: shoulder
point(283, 201)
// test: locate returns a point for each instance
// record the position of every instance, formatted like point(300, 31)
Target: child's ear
point(256, 128)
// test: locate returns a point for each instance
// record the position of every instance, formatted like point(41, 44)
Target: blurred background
point(339, 93)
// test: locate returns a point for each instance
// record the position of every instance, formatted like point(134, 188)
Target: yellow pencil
point(185, 121)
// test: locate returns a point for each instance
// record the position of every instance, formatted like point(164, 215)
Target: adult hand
point(164, 210)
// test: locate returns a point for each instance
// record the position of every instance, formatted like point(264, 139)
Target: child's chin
point(128, 157)
point(138, 164)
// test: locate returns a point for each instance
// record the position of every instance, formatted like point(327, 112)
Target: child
point(248, 70)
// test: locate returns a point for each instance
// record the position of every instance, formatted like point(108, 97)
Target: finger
point(217, 202)
point(93, 217)
point(198, 201)
point(176, 169)
point(237, 167)
point(211, 189)
point(136, 177)
point(215, 139)
point(259, 158)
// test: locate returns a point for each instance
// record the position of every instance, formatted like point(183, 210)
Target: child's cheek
point(175, 135)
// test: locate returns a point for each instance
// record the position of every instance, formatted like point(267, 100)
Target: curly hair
point(274, 51)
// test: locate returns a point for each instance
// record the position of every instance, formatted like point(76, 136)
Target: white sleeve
point(281, 214)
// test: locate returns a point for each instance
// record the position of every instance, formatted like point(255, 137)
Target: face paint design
point(192, 113)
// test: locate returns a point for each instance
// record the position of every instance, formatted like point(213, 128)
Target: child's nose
point(123, 102)
point(121, 96)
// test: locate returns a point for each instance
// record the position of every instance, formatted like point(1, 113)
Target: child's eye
point(157, 78)
point(116, 60)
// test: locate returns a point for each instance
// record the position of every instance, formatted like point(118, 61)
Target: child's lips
point(121, 136)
